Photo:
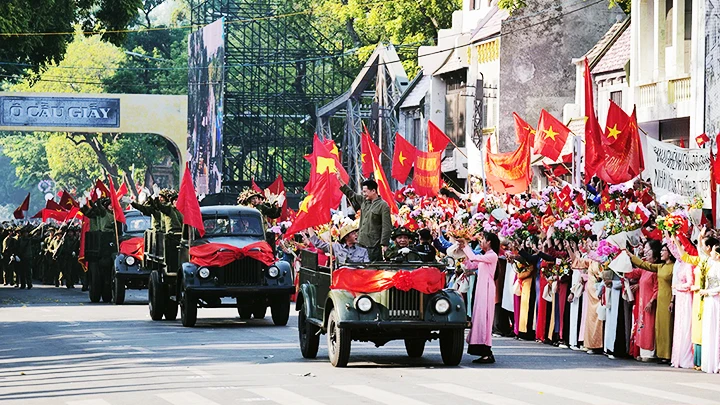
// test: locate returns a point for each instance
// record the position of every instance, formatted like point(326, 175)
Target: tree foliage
point(55, 16)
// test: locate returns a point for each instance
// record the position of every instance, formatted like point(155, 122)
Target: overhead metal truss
point(373, 96)
point(278, 69)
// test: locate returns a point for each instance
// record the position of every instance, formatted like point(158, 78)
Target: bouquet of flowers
point(673, 223)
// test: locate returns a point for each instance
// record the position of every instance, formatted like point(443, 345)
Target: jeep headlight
point(442, 306)
point(130, 261)
point(203, 272)
point(363, 303)
point(273, 271)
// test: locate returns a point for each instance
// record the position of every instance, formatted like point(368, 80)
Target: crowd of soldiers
point(42, 253)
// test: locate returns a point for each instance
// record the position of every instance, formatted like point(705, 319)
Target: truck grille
point(404, 305)
point(244, 272)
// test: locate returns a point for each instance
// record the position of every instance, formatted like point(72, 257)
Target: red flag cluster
point(510, 172)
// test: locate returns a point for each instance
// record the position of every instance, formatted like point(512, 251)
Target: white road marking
point(283, 396)
point(702, 386)
point(186, 398)
point(475, 395)
point(574, 395)
point(88, 402)
point(52, 358)
point(384, 397)
point(199, 372)
point(665, 395)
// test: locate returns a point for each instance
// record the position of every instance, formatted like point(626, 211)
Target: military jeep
point(128, 273)
point(253, 284)
point(379, 317)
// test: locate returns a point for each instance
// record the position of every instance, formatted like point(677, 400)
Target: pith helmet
point(246, 195)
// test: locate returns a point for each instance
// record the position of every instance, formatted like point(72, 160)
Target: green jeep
point(377, 317)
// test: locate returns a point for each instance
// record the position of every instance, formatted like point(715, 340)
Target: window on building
point(616, 97)
point(455, 108)
point(688, 19)
point(675, 130)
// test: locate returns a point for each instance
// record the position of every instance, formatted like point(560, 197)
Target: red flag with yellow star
point(315, 208)
point(322, 160)
point(379, 174)
point(437, 140)
point(368, 153)
point(330, 145)
point(403, 159)
point(551, 136)
point(617, 120)
point(623, 160)
point(606, 203)
point(510, 172)
point(593, 130)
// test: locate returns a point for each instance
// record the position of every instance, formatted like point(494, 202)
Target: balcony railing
point(648, 94)
point(678, 90)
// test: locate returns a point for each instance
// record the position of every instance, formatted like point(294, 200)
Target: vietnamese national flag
point(593, 131)
point(66, 201)
point(403, 159)
point(315, 208)
point(278, 188)
point(702, 139)
point(52, 205)
point(606, 203)
point(551, 136)
point(321, 161)
point(623, 160)
point(426, 178)
point(369, 152)
point(188, 204)
point(19, 212)
point(437, 140)
point(510, 172)
point(115, 202)
point(331, 146)
point(383, 185)
point(617, 120)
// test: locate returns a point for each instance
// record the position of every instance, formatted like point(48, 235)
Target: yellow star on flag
point(402, 159)
point(362, 157)
point(530, 129)
point(334, 150)
point(305, 203)
point(430, 147)
point(607, 205)
point(378, 175)
point(614, 132)
point(325, 165)
point(549, 133)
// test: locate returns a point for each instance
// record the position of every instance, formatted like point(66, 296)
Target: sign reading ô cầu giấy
point(59, 111)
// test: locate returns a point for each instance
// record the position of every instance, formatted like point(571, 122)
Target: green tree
point(55, 16)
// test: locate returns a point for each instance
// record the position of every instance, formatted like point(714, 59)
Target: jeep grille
point(404, 305)
point(244, 272)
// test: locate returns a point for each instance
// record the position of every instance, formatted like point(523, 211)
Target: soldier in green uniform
point(401, 251)
point(101, 218)
point(375, 220)
point(254, 199)
point(172, 221)
point(23, 259)
point(8, 253)
point(5, 231)
point(150, 208)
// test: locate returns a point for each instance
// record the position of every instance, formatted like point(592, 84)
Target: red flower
point(402, 280)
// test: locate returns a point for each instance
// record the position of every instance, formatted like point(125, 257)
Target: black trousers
point(24, 275)
point(375, 253)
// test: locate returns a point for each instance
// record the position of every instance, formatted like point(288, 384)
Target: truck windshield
point(246, 225)
point(137, 224)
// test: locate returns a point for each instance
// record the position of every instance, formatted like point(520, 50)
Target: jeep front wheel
point(452, 345)
point(338, 341)
point(309, 337)
point(415, 347)
point(188, 309)
point(118, 291)
point(156, 298)
point(280, 310)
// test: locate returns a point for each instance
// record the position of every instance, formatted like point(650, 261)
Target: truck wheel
point(188, 310)
point(171, 309)
point(308, 334)
point(260, 310)
point(338, 342)
point(280, 310)
point(106, 285)
point(118, 291)
point(415, 347)
point(95, 282)
point(452, 345)
point(245, 312)
point(156, 297)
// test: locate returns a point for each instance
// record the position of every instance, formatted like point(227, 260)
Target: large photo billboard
point(206, 62)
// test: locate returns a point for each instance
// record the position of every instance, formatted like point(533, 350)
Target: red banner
point(427, 280)
point(220, 254)
point(133, 247)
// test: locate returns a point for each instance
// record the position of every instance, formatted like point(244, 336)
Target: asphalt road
point(57, 348)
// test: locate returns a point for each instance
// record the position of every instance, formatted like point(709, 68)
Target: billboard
point(206, 73)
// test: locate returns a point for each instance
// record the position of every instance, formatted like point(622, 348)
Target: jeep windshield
point(241, 225)
point(137, 224)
